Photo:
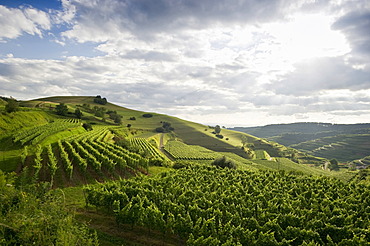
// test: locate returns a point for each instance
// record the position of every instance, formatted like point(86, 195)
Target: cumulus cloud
point(239, 60)
point(15, 22)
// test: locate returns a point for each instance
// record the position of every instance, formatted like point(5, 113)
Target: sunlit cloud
point(216, 62)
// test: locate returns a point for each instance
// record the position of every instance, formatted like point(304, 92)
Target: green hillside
point(345, 142)
point(35, 116)
point(342, 147)
point(58, 145)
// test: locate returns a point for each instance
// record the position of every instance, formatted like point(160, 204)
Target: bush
point(147, 115)
point(181, 164)
point(224, 162)
point(159, 129)
point(12, 106)
point(220, 136)
point(100, 100)
point(155, 162)
point(87, 126)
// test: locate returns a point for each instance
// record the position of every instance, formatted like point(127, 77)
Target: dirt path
point(161, 148)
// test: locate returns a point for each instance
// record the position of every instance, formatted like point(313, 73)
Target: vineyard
point(82, 157)
point(181, 151)
point(146, 148)
point(141, 187)
point(210, 206)
point(36, 134)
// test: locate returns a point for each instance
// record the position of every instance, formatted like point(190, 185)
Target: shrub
point(224, 162)
point(147, 115)
point(87, 126)
point(98, 99)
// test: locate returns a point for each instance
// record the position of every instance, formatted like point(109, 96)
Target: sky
point(226, 62)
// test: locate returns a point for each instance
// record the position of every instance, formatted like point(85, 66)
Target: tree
point(78, 113)
point(166, 127)
point(12, 106)
point(61, 109)
point(87, 126)
point(333, 164)
point(217, 129)
point(244, 140)
point(98, 99)
point(118, 119)
point(224, 162)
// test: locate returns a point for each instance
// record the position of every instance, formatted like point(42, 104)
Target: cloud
point(314, 75)
point(15, 22)
point(221, 61)
point(356, 25)
point(103, 20)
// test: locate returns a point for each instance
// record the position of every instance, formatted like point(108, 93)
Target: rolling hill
point(107, 171)
point(34, 115)
point(344, 142)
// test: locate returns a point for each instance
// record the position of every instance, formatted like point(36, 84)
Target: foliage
point(36, 216)
point(147, 115)
point(147, 150)
point(224, 162)
point(217, 129)
point(21, 119)
point(87, 126)
point(115, 117)
point(98, 99)
point(61, 109)
point(11, 106)
point(206, 205)
point(78, 113)
point(333, 164)
point(36, 134)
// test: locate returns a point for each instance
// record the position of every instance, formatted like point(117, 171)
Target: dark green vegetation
point(343, 142)
point(57, 145)
point(206, 205)
point(35, 215)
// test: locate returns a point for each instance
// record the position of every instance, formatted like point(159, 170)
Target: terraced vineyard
point(146, 148)
point(100, 133)
point(36, 134)
point(182, 151)
point(342, 147)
